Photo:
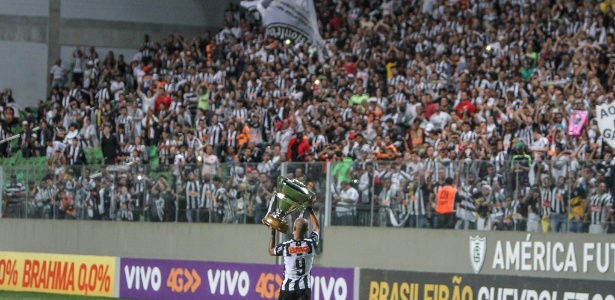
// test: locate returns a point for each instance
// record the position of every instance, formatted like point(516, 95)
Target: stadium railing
point(390, 193)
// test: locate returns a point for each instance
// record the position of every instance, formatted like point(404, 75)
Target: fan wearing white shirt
point(57, 73)
point(439, 119)
point(541, 143)
point(345, 204)
point(117, 87)
point(178, 161)
point(72, 133)
point(148, 100)
point(54, 146)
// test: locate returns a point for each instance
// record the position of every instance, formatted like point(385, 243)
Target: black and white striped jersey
point(418, 202)
point(525, 135)
point(240, 113)
point(298, 259)
point(546, 198)
point(469, 136)
point(193, 195)
point(560, 201)
point(214, 133)
point(599, 208)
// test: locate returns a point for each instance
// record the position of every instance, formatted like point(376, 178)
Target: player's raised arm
point(272, 243)
point(315, 223)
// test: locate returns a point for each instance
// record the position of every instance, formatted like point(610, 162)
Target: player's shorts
point(305, 294)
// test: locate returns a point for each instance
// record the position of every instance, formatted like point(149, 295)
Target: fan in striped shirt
point(126, 120)
point(214, 132)
point(416, 201)
point(298, 256)
point(147, 49)
point(240, 113)
point(193, 76)
point(533, 137)
point(194, 201)
point(395, 78)
point(253, 89)
point(559, 206)
point(467, 135)
point(600, 210)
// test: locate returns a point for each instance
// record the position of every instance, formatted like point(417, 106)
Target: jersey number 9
point(300, 266)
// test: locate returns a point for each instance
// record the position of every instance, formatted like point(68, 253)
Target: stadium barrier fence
point(391, 193)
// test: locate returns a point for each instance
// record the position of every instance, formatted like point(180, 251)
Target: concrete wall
point(23, 48)
point(182, 12)
point(57, 26)
point(23, 67)
point(578, 255)
point(38, 8)
point(211, 242)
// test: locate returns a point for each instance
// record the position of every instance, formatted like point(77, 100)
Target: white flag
point(293, 20)
point(605, 114)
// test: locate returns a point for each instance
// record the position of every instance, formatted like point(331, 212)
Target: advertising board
point(402, 285)
point(58, 274)
point(177, 279)
point(556, 256)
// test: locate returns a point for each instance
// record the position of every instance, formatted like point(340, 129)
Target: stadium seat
point(10, 161)
point(41, 161)
point(154, 163)
point(152, 151)
point(20, 176)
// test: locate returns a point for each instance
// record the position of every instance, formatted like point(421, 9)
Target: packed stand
point(406, 95)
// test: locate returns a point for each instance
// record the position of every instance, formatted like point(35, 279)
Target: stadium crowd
point(405, 95)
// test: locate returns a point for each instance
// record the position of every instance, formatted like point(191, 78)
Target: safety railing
point(521, 194)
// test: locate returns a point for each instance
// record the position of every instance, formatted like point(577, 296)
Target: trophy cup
point(291, 195)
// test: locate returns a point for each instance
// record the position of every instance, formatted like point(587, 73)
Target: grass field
point(38, 296)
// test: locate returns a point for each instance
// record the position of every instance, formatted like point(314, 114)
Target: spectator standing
point(90, 75)
point(211, 164)
point(559, 206)
point(24, 139)
point(78, 65)
point(600, 210)
point(117, 87)
point(75, 155)
point(15, 193)
point(109, 146)
point(89, 134)
point(345, 205)
point(57, 75)
point(531, 202)
point(193, 200)
point(578, 204)
point(298, 148)
point(415, 198)
point(447, 200)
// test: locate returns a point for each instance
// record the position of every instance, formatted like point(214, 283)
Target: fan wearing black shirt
point(109, 145)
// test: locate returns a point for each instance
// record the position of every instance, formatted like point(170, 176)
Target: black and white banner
point(293, 20)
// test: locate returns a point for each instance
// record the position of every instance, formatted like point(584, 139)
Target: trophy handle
point(280, 180)
point(272, 203)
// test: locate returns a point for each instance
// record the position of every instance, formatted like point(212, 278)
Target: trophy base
point(274, 223)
